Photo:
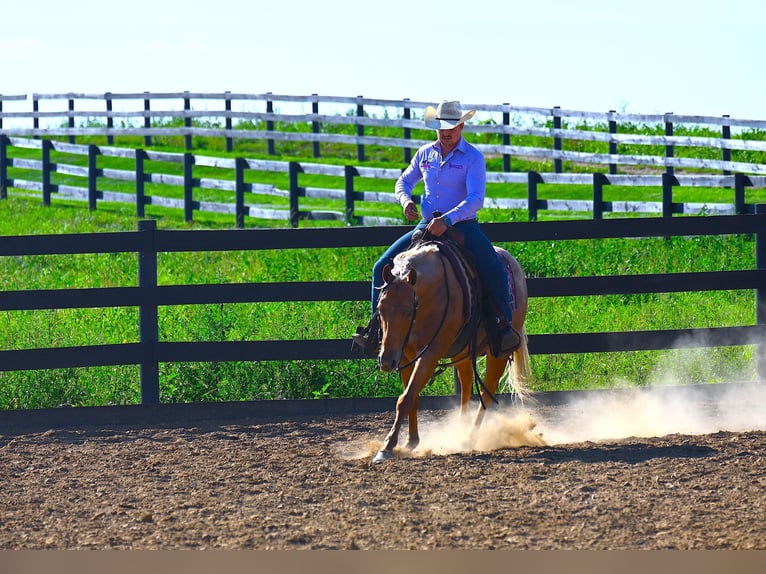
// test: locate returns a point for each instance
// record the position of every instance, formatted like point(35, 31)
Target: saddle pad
point(511, 282)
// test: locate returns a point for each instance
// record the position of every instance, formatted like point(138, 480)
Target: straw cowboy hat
point(446, 116)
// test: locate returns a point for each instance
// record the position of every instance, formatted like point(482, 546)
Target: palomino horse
point(423, 313)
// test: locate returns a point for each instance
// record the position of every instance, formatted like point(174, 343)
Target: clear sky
point(699, 57)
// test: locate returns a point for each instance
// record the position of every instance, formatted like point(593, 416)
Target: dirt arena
point(676, 474)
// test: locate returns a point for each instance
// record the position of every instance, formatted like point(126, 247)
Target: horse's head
point(397, 306)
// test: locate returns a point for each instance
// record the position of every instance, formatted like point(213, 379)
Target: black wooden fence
point(148, 296)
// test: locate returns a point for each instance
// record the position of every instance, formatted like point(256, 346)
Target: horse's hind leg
point(495, 368)
point(414, 437)
point(465, 376)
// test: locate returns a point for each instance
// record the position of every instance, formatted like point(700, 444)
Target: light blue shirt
point(454, 186)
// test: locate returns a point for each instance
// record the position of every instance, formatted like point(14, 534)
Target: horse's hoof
point(412, 444)
point(383, 456)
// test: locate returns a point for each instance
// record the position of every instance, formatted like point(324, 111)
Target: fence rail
point(148, 296)
point(504, 121)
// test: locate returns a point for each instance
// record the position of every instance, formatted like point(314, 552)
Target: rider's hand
point(437, 226)
point(411, 211)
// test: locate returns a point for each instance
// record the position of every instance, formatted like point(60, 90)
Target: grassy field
point(180, 382)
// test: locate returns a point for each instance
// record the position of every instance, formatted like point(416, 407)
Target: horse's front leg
point(406, 406)
point(413, 438)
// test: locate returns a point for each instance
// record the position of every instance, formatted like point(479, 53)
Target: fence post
point(140, 193)
point(239, 190)
point(3, 167)
point(760, 294)
point(35, 110)
point(612, 144)
point(109, 118)
point(740, 182)
point(556, 140)
point(315, 124)
point(227, 107)
point(92, 176)
point(407, 131)
point(147, 120)
point(668, 181)
point(669, 149)
point(188, 188)
point(599, 180)
point(294, 168)
point(350, 174)
point(726, 152)
point(70, 107)
point(359, 128)
point(46, 175)
point(147, 314)
point(187, 119)
point(533, 178)
point(506, 137)
point(270, 124)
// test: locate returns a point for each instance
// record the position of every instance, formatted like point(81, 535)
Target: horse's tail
point(520, 362)
point(518, 371)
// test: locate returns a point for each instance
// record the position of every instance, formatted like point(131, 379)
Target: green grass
point(21, 214)
point(307, 379)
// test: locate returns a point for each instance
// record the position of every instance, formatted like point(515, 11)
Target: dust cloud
point(657, 411)
point(665, 407)
point(594, 416)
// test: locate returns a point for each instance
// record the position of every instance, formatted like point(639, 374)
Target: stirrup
point(367, 339)
point(510, 340)
point(506, 340)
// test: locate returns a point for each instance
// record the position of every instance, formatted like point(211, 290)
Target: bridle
point(415, 306)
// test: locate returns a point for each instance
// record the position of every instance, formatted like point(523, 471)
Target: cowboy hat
point(446, 115)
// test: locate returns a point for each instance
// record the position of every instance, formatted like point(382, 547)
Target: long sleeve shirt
point(454, 185)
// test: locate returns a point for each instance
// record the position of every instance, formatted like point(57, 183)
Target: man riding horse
point(454, 177)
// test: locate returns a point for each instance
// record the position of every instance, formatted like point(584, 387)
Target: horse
point(424, 284)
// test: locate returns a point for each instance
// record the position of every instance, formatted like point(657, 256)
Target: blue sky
point(688, 57)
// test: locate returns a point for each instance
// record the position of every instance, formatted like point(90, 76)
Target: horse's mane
point(420, 258)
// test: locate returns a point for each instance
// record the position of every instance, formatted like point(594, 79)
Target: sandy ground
point(607, 472)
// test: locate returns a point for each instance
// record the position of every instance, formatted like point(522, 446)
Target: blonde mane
point(416, 258)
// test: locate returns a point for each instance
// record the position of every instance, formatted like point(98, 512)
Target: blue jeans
point(488, 266)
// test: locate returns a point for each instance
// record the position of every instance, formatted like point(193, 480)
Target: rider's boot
point(366, 340)
point(507, 338)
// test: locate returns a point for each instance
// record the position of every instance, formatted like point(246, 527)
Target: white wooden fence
point(504, 121)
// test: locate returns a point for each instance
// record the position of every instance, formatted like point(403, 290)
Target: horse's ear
point(412, 276)
point(387, 275)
